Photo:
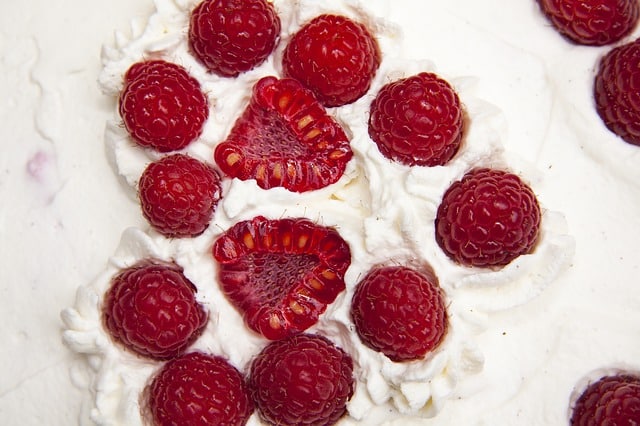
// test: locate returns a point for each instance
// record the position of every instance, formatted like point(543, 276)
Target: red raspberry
point(162, 106)
point(592, 22)
point(488, 218)
point(151, 309)
point(417, 121)
point(178, 195)
point(400, 312)
point(617, 91)
point(281, 274)
point(333, 56)
point(285, 138)
point(612, 400)
point(233, 36)
point(198, 390)
point(302, 380)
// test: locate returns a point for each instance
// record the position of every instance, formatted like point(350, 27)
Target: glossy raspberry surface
point(610, 401)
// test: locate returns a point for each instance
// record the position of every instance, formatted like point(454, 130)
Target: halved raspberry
point(285, 138)
point(592, 22)
point(302, 380)
point(178, 195)
point(488, 218)
point(333, 56)
point(417, 120)
point(151, 309)
point(400, 312)
point(162, 106)
point(617, 91)
point(199, 390)
point(281, 274)
point(233, 36)
point(612, 400)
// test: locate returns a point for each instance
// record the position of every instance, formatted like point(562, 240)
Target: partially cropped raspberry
point(617, 91)
point(178, 195)
point(488, 218)
point(612, 400)
point(417, 120)
point(162, 106)
point(333, 56)
point(302, 380)
point(233, 36)
point(197, 389)
point(400, 312)
point(592, 22)
point(150, 308)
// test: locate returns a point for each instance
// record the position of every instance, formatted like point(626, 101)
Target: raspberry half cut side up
point(281, 274)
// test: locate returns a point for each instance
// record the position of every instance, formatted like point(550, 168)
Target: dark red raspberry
point(592, 22)
point(488, 218)
point(417, 120)
point(281, 274)
point(178, 195)
point(162, 106)
point(333, 56)
point(617, 91)
point(151, 309)
point(198, 390)
point(302, 380)
point(233, 36)
point(612, 400)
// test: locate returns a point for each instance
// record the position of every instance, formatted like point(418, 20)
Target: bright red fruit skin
point(281, 274)
point(303, 380)
point(487, 219)
point(617, 91)
point(151, 310)
point(400, 312)
point(612, 400)
point(285, 138)
point(162, 106)
point(417, 121)
point(197, 389)
point(592, 22)
point(233, 36)
point(333, 56)
point(178, 195)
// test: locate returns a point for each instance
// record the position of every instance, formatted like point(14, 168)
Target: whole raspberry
point(162, 106)
point(612, 400)
point(617, 91)
point(197, 389)
point(400, 312)
point(302, 380)
point(333, 56)
point(233, 36)
point(151, 309)
point(592, 22)
point(417, 120)
point(488, 218)
point(178, 195)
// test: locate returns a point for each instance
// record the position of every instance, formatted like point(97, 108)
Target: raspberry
point(302, 380)
point(233, 36)
point(178, 195)
point(612, 400)
point(400, 312)
point(151, 309)
point(417, 121)
point(285, 138)
point(617, 91)
point(592, 22)
point(333, 56)
point(162, 106)
point(488, 218)
point(197, 389)
point(281, 274)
